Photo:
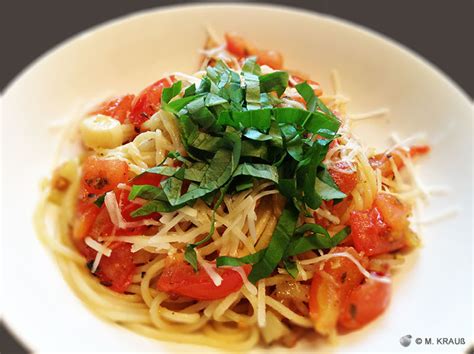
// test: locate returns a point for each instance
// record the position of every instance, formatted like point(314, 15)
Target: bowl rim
point(267, 6)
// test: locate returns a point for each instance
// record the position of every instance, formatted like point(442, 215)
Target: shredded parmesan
point(210, 270)
point(98, 246)
point(101, 251)
point(248, 285)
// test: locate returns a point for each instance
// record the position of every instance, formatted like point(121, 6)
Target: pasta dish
point(231, 207)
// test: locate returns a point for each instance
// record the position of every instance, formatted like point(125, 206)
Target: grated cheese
point(210, 270)
point(248, 285)
point(100, 248)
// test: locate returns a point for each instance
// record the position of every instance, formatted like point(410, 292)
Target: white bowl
point(433, 292)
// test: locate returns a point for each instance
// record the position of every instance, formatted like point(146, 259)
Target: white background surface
point(433, 292)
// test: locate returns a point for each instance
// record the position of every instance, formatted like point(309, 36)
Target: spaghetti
point(230, 207)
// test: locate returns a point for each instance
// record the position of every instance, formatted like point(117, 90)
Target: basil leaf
point(312, 101)
point(190, 253)
point(328, 192)
point(319, 239)
point(172, 189)
point(250, 66)
point(257, 170)
point(100, 200)
point(190, 90)
point(291, 268)
point(255, 149)
point(191, 257)
point(276, 248)
point(252, 91)
point(214, 100)
point(179, 104)
point(155, 206)
point(276, 81)
point(293, 141)
point(169, 92)
point(196, 172)
point(146, 191)
point(163, 170)
point(219, 171)
point(254, 134)
point(236, 262)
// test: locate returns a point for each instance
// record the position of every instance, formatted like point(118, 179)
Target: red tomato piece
point(148, 102)
point(375, 231)
point(117, 270)
point(324, 303)
point(179, 278)
point(330, 286)
point(365, 303)
point(118, 107)
point(271, 58)
point(102, 175)
point(393, 212)
point(345, 178)
point(236, 45)
point(148, 178)
point(382, 161)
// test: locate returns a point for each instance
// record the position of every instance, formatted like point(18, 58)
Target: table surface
point(437, 31)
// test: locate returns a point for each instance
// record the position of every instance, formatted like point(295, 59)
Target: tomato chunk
point(382, 228)
point(102, 175)
point(148, 102)
point(118, 107)
point(117, 270)
point(324, 303)
point(382, 161)
point(179, 278)
point(365, 303)
point(345, 178)
point(148, 178)
point(330, 287)
point(271, 58)
point(236, 45)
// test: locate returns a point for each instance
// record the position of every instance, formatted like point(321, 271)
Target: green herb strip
point(233, 130)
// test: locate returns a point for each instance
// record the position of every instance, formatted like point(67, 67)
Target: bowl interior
point(126, 55)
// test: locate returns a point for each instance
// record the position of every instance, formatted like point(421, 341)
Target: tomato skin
point(179, 278)
point(102, 175)
point(118, 107)
point(324, 303)
point(393, 212)
point(380, 229)
point(148, 102)
point(236, 45)
point(365, 303)
point(271, 58)
point(382, 162)
point(346, 181)
point(240, 48)
point(117, 270)
point(330, 287)
point(148, 178)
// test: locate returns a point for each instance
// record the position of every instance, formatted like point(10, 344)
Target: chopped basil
point(235, 132)
point(275, 251)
